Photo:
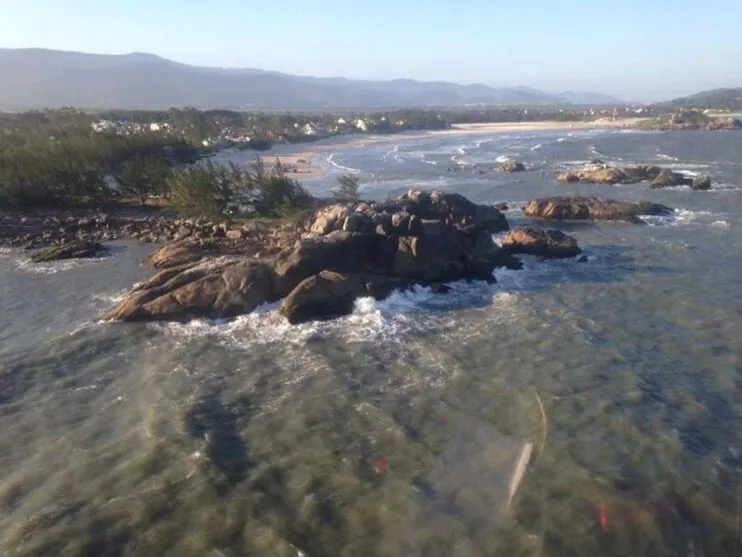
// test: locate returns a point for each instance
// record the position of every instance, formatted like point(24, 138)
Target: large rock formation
point(604, 174)
point(348, 250)
point(599, 173)
point(71, 250)
point(219, 287)
point(591, 208)
point(254, 240)
point(546, 243)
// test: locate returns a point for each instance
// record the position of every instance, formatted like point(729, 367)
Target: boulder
point(330, 218)
point(236, 234)
point(219, 287)
point(668, 178)
point(339, 251)
point(591, 208)
point(77, 249)
point(398, 215)
point(323, 296)
point(191, 250)
point(701, 183)
point(604, 174)
point(511, 166)
point(546, 243)
point(357, 222)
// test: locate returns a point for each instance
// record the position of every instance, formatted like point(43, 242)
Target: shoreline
point(302, 164)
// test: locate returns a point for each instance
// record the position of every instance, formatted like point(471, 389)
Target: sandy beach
point(301, 163)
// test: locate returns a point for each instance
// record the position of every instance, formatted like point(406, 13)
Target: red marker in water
point(603, 516)
point(381, 466)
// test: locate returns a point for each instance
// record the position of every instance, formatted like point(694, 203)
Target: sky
point(640, 50)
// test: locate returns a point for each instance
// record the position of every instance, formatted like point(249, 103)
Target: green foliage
point(143, 177)
point(347, 189)
point(44, 162)
point(208, 190)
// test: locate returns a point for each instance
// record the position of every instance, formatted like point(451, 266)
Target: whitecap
point(536, 147)
point(54, 267)
point(663, 156)
point(331, 160)
point(677, 217)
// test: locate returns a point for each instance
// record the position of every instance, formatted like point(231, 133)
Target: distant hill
point(38, 78)
point(591, 99)
point(727, 99)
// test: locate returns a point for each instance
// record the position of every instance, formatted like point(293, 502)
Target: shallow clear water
point(252, 437)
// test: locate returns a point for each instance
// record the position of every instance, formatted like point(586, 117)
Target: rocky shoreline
point(344, 251)
point(316, 266)
point(46, 228)
point(598, 172)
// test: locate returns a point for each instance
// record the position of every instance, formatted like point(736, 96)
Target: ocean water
point(380, 433)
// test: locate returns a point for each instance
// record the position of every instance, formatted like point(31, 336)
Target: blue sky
point(637, 49)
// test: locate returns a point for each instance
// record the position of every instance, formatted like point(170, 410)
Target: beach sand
point(301, 165)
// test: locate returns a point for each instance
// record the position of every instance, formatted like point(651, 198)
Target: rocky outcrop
point(659, 177)
point(701, 183)
point(219, 287)
point(323, 296)
point(511, 166)
point(669, 178)
point(50, 227)
point(604, 174)
point(72, 250)
point(347, 250)
point(591, 208)
point(251, 240)
point(546, 243)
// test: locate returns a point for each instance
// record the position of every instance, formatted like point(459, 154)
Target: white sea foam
point(725, 186)
point(720, 224)
point(663, 156)
point(502, 158)
point(561, 140)
point(54, 267)
point(331, 160)
point(536, 147)
point(677, 217)
point(383, 322)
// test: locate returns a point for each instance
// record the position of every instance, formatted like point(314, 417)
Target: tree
point(347, 189)
point(143, 177)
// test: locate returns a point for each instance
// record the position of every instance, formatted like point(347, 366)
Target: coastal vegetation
point(688, 120)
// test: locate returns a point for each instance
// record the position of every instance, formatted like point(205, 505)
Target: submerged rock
point(591, 208)
point(72, 250)
point(669, 178)
point(546, 243)
point(511, 166)
point(701, 183)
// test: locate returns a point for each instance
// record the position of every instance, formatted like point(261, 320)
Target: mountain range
point(725, 98)
point(40, 78)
